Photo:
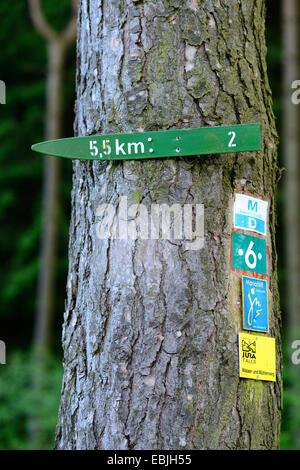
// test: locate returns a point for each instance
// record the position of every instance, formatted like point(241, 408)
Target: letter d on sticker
point(252, 223)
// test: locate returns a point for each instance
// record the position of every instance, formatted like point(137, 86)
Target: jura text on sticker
point(257, 356)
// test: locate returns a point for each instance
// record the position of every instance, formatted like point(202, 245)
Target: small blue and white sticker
point(255, 304)
point(250, 214)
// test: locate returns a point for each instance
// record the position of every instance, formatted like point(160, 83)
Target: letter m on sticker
point(252, 206)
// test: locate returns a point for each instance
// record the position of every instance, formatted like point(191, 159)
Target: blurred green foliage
point(20, 403)
point(23, 67)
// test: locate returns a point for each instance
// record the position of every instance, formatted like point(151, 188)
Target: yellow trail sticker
point(257, 357)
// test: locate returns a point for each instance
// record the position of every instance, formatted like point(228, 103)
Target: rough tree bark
point(151, 329)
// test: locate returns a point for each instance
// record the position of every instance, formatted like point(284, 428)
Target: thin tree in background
point(150, 331)
point(291, 153)
point(57, 47)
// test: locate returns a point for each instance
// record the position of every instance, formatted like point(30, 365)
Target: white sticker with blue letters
point(250, 213)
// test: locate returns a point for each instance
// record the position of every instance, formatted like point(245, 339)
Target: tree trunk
point(151, 328)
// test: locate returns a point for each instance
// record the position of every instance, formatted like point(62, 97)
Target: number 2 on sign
point(231, 142)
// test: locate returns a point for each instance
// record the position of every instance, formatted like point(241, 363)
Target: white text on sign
point(130, 148)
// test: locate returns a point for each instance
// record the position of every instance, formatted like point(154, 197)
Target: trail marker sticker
point(255, 304)
point(250, 213)
point(157, 144)
point(249, 253)
point(257, 357)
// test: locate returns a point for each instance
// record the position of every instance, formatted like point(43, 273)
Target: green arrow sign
point(159, 144)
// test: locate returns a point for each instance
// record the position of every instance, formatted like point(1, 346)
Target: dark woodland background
point(23, 67)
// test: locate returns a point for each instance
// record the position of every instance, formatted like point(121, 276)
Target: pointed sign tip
point(38, 147)
point(34, 147)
